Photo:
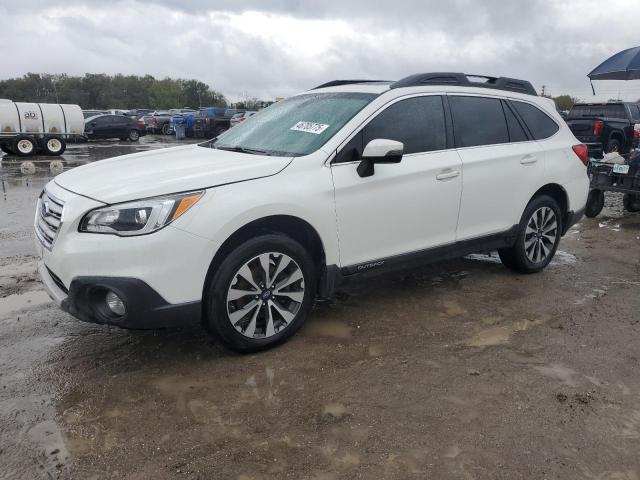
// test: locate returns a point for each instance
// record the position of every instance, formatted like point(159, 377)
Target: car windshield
point(294, 127)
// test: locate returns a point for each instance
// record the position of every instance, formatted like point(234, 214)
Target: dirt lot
point(461, 370)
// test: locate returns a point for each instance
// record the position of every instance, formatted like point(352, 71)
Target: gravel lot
point(462, 370)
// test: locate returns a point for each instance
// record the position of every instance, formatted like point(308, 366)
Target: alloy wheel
point(541, 234)
point(265, 295)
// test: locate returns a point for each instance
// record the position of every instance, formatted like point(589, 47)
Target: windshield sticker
point(310, 127)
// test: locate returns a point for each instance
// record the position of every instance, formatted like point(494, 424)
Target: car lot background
point(458, 370)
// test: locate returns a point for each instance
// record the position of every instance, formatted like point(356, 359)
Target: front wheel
point(261, 294)
point(166, 129)
point(538, 237)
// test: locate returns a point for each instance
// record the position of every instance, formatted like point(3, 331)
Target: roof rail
point(463, 80)
point(337, 83)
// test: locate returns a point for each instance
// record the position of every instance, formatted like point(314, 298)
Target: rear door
point(502, 165)
point(404, 207)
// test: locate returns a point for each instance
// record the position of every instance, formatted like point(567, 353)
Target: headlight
point(139, 217)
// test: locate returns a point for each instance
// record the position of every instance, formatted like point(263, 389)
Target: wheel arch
point(295, 227)
point(559, 194)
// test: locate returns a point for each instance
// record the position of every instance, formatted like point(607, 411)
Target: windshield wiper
point(251, 151)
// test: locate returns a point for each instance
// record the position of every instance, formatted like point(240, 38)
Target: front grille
point(48, 218)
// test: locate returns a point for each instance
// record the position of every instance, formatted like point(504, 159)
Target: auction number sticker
point(310, 127)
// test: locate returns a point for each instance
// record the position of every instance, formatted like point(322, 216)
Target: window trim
point(449, 144)
point(515, 110)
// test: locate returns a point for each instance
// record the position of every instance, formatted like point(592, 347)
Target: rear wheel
point(24, 146)
point(595, 203)
point(54, 146)
point(538, 237)
point(614, 146)
point(134, 135)
point(166, 129)
point(261, 294)
point(631, 202)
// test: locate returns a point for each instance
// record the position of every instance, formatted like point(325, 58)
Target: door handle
point(528, 160)
point(447, 175)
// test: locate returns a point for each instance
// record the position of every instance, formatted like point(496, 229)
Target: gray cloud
point(280, 47)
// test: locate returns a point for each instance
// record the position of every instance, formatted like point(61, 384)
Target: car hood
point(165, 171)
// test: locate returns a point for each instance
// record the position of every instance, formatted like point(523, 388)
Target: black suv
point(114, 126)
point(605, 127)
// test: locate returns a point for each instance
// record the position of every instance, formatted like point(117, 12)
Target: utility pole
point(544, 90)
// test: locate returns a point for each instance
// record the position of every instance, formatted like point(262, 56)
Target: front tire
point(538, 237)
point(261, 294)
point(134, 135)
point(166, 129)
point(24, 146)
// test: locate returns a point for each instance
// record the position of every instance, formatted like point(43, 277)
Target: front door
point(405, 207)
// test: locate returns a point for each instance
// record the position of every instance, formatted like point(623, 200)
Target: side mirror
point(379, 150)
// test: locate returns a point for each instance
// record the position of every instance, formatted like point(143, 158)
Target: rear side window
point(635, 112)
point(416, 122)
point(516, 132)
point(540, 124)
point(478, 121)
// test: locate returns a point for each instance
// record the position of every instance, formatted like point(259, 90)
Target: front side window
point(540, 124)
point(478, 121)
point(416, 122)
point(297, 126)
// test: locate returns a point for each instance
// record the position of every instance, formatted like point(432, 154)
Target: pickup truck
point(212, 121)
point(605, 127)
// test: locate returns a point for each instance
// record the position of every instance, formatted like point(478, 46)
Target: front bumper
point(144, 307)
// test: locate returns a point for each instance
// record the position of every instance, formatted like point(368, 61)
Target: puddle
point(13, 303)
point(499, 335)
point(328, 328)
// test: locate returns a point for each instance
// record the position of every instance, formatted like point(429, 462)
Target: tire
point(6, 148)
point(134, 135)
point(255, 330)
point(631, 202)
point(595, 203)
point(54, 146)
point(24, 146)
point(614, 146)
point(166, 129)
point(538, 237)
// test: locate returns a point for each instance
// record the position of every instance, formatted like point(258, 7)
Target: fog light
point(115, 304)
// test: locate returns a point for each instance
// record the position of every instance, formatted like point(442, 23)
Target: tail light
point(597, 127)
point(582, 152)
point(141, 123)
point(636, 132)
point(154, 120)
point(242, 119)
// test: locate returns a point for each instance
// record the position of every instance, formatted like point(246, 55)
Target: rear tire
point(24, 146)
point(54, 146)
point(614, 146)
point(276, 305)
point(134, 135)
point(631, 202)
point(166, 129)
point(538, 237)
point(595, 203)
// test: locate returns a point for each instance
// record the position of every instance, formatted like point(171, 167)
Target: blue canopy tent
point(624, 65)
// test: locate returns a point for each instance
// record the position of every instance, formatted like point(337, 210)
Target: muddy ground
point(462, 370)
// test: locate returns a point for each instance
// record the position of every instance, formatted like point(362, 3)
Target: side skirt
point(335, 276)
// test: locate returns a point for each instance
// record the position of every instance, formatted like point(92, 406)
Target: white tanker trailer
point(29, 128)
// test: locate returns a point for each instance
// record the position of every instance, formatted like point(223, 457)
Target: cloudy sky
point(279, 47)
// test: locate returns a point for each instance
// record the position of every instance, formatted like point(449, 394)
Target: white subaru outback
point(352, 178)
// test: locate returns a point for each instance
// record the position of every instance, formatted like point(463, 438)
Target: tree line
point(101, 91)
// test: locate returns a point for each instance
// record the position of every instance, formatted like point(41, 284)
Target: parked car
point(29, 128)
point(213, 121)
point(114, 126)
point(350, 179)
point(93, 113)
point(605, 127)
point(240, 117)
point(159, 122)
